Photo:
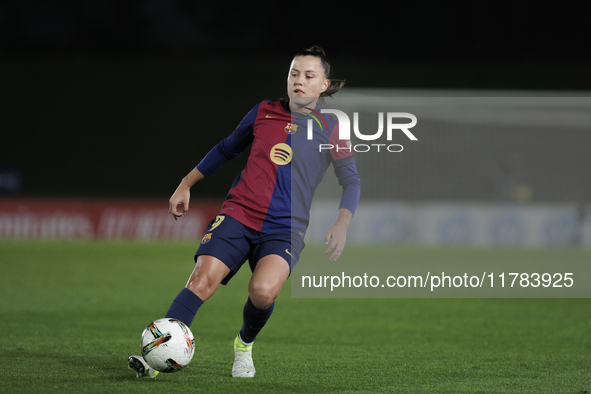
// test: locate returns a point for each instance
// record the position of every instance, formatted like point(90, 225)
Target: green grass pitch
point(72, 312)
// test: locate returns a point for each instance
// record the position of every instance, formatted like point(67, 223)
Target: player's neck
point(295, 106)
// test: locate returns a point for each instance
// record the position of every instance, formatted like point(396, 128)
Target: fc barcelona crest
point(291, 128)
point(206, 238)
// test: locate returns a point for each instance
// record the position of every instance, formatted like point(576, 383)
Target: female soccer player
point(265, 215)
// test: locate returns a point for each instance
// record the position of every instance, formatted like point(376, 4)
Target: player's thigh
point(267, 280)
point(207, 275)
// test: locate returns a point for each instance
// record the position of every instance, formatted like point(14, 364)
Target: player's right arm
point(231, 146)
point(182, 194)
point(225, 150)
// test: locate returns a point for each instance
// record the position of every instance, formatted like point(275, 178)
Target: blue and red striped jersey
point(274, 191)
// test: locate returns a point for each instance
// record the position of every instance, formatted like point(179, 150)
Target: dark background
point(108, 98)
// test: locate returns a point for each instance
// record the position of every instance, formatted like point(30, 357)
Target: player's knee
point(262, 301)
point(202, 284)
point(262, 295)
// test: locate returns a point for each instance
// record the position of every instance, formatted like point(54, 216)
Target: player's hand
point(178, 204)
point(336, 238)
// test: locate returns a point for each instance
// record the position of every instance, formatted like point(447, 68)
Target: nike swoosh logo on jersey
point(269, 116)
point(287, 251)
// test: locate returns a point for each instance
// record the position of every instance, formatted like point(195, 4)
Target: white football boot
point(243, 366)
point(141, 367)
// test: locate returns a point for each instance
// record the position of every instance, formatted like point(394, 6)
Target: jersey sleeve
point(344, 167)
point(350, 182)
point(341, 148)
point(231, 146)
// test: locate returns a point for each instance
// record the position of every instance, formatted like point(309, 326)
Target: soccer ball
point(167, 345)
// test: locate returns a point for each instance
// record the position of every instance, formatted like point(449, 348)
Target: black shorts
point(233, 243)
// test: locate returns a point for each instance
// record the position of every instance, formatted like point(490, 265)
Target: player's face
point(306, 80)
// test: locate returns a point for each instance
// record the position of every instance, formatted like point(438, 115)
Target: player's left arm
point(336, 236)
